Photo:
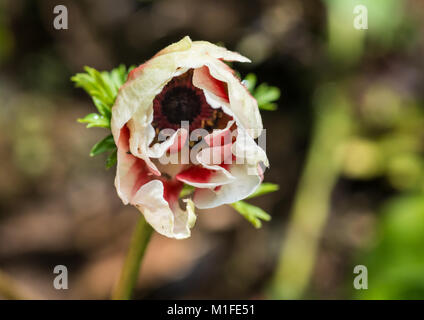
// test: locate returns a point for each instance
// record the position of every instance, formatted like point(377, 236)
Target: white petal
point(129, 169)
point(245, 172)
point(218, 52)
point(241, 105)
point(247, 151)
point(174, 223)
point(244, 185)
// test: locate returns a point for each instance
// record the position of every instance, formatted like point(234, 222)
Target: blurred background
point(345, 146)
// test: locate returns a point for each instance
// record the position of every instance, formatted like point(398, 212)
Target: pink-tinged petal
point(139, 135)
point(213, 161)
point(202, 79)
point(156, 199)
point(221, 136)
point(195, 174)
point(220, 147)
point(243, 185)
point(201, 177)
point(242, 106)
point(244, 169)
point(179, 141)
point(219, 150)
point(139, 147)
point(134, 72)
point(171, 191)
point(166, 217)
point(130, 171)
point(260, 172)
point(216, 156)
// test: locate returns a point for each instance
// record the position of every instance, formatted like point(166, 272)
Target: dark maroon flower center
point(181, 101)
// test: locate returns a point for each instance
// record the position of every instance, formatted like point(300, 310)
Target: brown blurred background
point(345, 146)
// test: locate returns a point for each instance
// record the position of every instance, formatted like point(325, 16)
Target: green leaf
point(250, 82)
point(107, 144)
point(264, 94)
point(268, 106)
point(264, 188)
point(93, 83)
point(95, 120)
point(102, 86)
point(112, 159)
point(118, 76)
point(103, 109)
point(251, 213)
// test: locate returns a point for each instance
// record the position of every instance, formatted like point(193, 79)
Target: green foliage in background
point(395, 263)
point(265, 95)
point(386, 20)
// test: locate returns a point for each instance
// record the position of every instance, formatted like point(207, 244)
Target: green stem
point(311, 205)
point(130, 270)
